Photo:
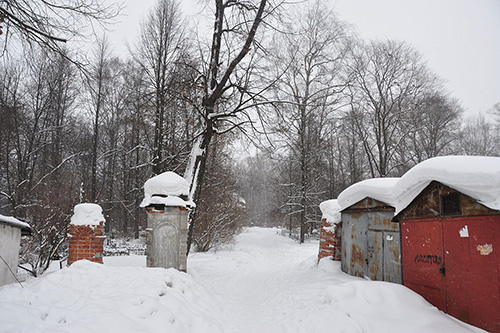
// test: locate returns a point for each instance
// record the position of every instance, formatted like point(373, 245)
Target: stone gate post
point(167, 208)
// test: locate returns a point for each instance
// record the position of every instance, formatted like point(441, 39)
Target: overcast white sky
point(460, 39)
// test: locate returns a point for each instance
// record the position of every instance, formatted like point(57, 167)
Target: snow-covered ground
point(262, 283)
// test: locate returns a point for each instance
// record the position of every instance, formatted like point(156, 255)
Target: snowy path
point(269, 283)
point(254, 281)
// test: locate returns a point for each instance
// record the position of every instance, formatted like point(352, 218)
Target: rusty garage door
point(454, 264)
point(423, 264)
point(472, 270)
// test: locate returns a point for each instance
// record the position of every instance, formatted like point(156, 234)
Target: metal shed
point(450, 243)
point(370, 240)
point(11, 230)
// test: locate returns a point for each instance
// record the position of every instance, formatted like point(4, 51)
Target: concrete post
point(167, 211)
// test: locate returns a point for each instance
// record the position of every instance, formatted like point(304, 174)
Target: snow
point(166, 185)
point(87, 214)
point(12, 221)
point(376, 188)
point(167, 201)
point(475, 176)
point(330, 210)
point(262, 283)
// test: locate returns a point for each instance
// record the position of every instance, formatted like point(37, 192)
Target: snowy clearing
point(262, 283)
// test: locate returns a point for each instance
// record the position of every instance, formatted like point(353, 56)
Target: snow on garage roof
point(475, 176)
point(376, 188)
point(13, 222)
point(330, 210)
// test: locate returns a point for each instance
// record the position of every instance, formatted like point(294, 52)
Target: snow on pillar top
point(166, 189)
point(87, 214)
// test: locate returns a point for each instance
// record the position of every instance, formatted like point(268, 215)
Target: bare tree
point(226, 83)
point(478, 137)
point(50, 24)
point(162, 43)
point(437, 127)
point(35, 103)
point(389, 80)
point(312, 56)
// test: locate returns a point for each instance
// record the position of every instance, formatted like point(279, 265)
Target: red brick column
point(329, 244)
point(86, 242)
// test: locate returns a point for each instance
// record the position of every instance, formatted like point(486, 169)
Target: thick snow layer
point(331, 210)
point(166, 184)
point(376, 188)
point(264, 282)
point(90, 297)
point(87, 214)
point(13, 222)
point(475, 176)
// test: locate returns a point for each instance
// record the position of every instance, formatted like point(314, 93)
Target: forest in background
point(323, 108)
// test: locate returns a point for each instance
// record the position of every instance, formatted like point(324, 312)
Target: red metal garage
point(449, 244)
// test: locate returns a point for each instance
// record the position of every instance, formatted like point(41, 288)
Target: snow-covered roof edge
point(330, 210)
point(380, 189)
point(13, 222)
point(475, 176)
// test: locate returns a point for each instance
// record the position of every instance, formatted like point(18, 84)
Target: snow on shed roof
point(87, 214)
point(475, 176)
point(376, 188)
point(330, 210)
point(13, 222)
point(165, 185)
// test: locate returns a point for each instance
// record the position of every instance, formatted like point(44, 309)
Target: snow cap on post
point(168, 189)
point(87, 214)
point(331, 211)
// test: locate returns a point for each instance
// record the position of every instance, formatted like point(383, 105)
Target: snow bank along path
point(263, 283)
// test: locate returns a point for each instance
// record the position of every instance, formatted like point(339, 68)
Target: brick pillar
point(329, 244)
point(86, 234)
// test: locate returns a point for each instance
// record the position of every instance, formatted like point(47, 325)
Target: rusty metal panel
point(354, 247)
point(369, 204)
point(392, 256)
point(375, 255)
point(366, 250)
point(473, 270)
point(422, 259)
point(428, 204)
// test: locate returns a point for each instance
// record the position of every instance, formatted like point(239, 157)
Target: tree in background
point(312, 86)
point(161, 52)
point(389, 80)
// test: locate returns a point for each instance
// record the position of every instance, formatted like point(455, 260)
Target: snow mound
point(165, 189)
point(331, 210)
point(380, 189)
point(475, 176)
point(87, 214)
point(90, 297)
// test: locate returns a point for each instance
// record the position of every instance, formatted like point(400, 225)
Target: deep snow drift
point(262, 283)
